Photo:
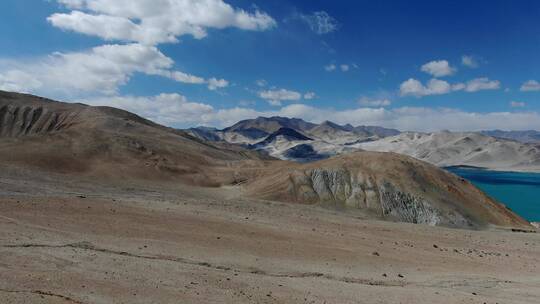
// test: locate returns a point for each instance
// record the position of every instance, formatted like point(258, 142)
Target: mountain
point(279, 141)
point(378, 131)
point(107, 142)
point(334, 133)
point(530, 136)
point(266, 126)
point(455, 149)
point(327, 138)
point(204, 133)
point(283, 134)
point(518, 153)
point(68, 142)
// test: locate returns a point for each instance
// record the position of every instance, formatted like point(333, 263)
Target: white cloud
point(368, 102)
point(530, 85)
point(214, 84)
point(517, 104)
point(167, 109)
point(320, 22)
point(185, 78)
point(176, 111)
point(73, 4)
point(310, 95)
point(343, 67)
point(483, 83)
point(155, 21)
point(438, 68)
point(469, 61)
point(416, 88)
point(413, 87)
point(330, 67)
point(19, 81)
point(275, 97)
point(261, 83)
point(101, 69)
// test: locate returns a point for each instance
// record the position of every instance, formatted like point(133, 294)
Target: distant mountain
point(270, 124)
point(452, 149)
point(205, 133)
point(379, 131)
point(284, 134)
point(297, 140)
point(280, 136)
point(334, 133)
point(530, 136)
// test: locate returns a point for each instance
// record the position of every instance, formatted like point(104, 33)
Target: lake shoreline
point(519, 191)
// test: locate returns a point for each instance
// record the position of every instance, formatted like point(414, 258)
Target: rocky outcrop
point(339, 188)
point(16, 121)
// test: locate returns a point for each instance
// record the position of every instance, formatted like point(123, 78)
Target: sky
point(412, 65)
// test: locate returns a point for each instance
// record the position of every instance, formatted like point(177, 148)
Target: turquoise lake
point(518, 191)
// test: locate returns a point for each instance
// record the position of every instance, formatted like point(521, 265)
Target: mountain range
point(305, 142)
point(109, 145)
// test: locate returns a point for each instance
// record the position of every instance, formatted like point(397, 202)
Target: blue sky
point(412, 65)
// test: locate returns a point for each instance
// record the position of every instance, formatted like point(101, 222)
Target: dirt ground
point(69, 240)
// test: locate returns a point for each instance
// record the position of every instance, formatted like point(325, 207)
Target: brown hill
point(388, 184)
point(106, 142)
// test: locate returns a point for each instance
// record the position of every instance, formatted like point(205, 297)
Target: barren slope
point(107, 142)
point(91, 242)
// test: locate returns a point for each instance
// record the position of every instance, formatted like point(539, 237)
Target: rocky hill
point(394, 186)
point(103, 141)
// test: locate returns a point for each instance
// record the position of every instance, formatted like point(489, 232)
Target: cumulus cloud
point(438, 68)
point(155, 21)
point(176, 111)
point(275, 97)
point(530, 85)
point(369, 102)
point(517, 104)
point(167, 109)
point(483, 83)
point(345, 67)
point(413, 87)
point(416, 88)
point(320, 22)
point(102, 69)
point(469, 61)
point(214, 84)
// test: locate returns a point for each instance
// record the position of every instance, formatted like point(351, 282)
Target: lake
point(519, 191)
